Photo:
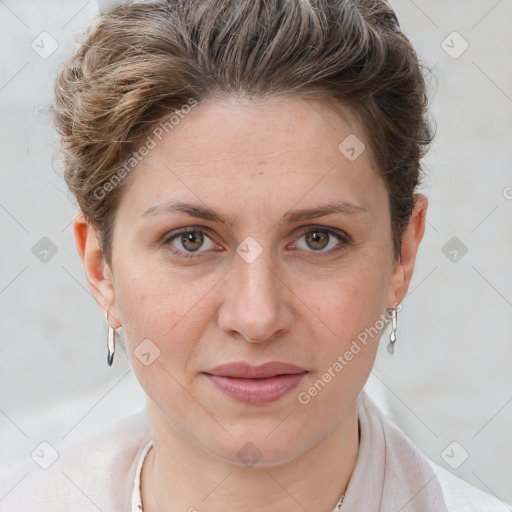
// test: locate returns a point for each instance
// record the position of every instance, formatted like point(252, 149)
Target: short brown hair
point(140, 63)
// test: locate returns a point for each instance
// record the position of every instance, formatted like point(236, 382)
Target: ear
point(402, 273)
point(97, 272)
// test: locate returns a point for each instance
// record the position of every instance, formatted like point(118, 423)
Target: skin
point(253, 162)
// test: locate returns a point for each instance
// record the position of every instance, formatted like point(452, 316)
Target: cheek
point(349, 300)
point(352, 319)
point(351, 310)
point(157, 305)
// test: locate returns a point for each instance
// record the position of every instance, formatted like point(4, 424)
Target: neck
point(179, 475)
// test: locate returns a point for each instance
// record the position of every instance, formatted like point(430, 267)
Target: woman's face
point(288, 258)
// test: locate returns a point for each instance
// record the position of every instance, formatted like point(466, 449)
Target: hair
point(141, 63)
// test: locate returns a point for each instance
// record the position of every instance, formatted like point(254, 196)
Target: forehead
point(278, 149)
point(266, 128)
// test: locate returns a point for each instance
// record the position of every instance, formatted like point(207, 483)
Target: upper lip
point(241, 369)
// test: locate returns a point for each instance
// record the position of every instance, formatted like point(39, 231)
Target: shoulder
point(460, 496)
point(97, 472)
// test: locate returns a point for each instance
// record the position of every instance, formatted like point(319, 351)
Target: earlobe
point(97, 272)
point(402, 273)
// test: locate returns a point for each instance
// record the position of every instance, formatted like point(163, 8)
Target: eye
point(322, 240)
point(189, 240)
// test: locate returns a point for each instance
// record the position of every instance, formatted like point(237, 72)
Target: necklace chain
point(337, 508)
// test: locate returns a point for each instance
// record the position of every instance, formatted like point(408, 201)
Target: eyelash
point(343, 237)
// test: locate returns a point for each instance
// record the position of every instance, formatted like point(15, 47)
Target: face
point(247, 236)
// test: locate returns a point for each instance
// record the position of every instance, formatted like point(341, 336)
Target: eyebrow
point(206, 213)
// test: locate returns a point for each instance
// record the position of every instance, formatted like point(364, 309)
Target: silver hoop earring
point(111, 343)
point(392, 336)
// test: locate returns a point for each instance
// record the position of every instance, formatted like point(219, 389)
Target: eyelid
point(173, 235)
point(344, 240)
point(343, 237)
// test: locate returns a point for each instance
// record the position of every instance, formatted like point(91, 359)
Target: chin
point(257, 454)
point(258, 445)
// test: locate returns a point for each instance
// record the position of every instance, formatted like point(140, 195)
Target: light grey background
point(450, 379)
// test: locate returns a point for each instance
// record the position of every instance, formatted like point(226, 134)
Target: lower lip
point(257, 391)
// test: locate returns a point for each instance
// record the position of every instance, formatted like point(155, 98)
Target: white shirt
point(103, 472)
point(136, 493)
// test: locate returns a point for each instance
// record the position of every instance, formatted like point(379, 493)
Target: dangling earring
point(111, 342)
point(392, 336)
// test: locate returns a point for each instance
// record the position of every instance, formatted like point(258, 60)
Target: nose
point(256, 308)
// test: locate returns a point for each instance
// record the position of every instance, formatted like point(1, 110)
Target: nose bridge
point(256, 310)
point(257, 280)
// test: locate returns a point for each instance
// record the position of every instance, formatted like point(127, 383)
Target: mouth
point(256, 384)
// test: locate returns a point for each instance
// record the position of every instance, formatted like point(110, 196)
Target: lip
point(241, 369)
point(256, 384)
